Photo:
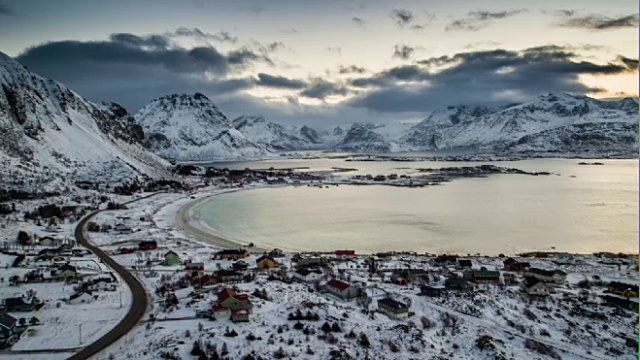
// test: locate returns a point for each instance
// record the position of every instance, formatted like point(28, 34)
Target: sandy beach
point(184, 220)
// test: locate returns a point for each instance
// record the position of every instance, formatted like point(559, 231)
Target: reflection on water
point(596, 210)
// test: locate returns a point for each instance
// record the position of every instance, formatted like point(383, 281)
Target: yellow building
point(266, 262)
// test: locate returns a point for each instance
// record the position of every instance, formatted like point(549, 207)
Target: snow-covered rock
point(552, 122)
point(53, 137)
point(192, 128)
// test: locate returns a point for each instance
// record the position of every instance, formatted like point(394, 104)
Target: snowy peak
point(277, 137)
point(364, 137)
point(192, 128)
point(562, 117)
point(52, 136)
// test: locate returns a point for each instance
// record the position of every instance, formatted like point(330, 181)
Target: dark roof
point(541, 272)
point(529, 281)
point(620, 286)
point(263, 257)
point(16, 301)
point(67, 267)
point(465, 263)
point(509, 261)
point(446, 258)
point(77, 295)
point(390, 303)
point(232, 252)
point(340, 285)
point(305, 272)
point(7, 321)
point(228, 273)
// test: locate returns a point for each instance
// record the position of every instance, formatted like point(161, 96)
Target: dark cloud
point(359, 22)
point(402, 17)
point(279, 82)
point(481, 77)
point(195, 33)
point(631, 64)
point(151, 41)
point(476, 20)
point(351, 69)
point(5, 9)
point(320, 89)
point(403, 52)
point(132, 69)
point(599, 22)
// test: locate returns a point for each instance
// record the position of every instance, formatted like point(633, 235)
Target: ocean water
point(580, 209)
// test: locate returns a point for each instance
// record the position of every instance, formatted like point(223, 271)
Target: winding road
point(139, 300)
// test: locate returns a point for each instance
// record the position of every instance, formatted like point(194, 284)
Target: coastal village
point(246, 302)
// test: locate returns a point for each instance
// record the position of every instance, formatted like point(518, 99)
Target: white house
point(533, 286)
point(101, 285)
point(80, 298)
point(307, 276)
point(341, 289)
point(548, 276)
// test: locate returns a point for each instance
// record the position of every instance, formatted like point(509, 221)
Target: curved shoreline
point(210, 236)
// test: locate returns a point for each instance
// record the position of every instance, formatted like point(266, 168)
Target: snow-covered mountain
point(53, 137)
point(270, 135)
point(192, 128)
point(365, 138)
point(552, 122)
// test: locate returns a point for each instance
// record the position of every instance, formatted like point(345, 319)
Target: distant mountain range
point(53, 135)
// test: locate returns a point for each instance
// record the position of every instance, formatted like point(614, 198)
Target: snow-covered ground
point(571, 323)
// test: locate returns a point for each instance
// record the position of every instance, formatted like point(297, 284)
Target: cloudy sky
point(328, 62)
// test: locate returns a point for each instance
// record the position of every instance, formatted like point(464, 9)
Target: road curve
point(139, 300)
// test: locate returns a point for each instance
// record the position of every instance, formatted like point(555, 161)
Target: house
point(455, 282)
point(229, 276)
point(8, 325)
point(205, 280)
point(482, 276)
point(266, 262)
point(341, 289)
point(627, 303)
point(240, 265)
point(548, 276)
point(277, 253)
point(220, 312)
point(100, 284)
point(18, 304)
point(312, 261)
point(411, 274)
point(464, 264)
point(171, 258)
point(619, 288)
point(431, 291)
point(512, 264)
point(66, 271)
point(240, 315)
point(194, 266)
point(231, 254)
point(147, 245)
point(238, 305)
point(393, 309)
point(47, 241)
point(307, 276)
point(80, 298)
point(533, 286)
point(398, 279)
point(445, 260)
point(345, 253)
point(122, 228)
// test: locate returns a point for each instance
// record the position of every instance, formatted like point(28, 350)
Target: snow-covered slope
point(365, 138)
point(552, 122)
point(53, 137)
point(192, 128)
point(270, 135)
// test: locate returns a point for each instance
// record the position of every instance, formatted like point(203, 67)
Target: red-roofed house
point(238, 305)
point(345, 253)
point(239, 315)
point(341, 289)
